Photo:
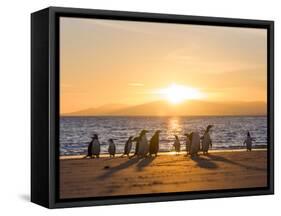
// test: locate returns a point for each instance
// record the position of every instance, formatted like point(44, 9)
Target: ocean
point(228, 132)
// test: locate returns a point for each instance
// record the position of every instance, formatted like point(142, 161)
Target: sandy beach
point(166, 173)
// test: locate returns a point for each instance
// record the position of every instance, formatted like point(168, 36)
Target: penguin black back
point(90, 147)
point(128, 145)
point(154, 143)
point(136, 139)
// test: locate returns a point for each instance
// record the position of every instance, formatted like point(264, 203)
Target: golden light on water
point(174, 126)
point(176, 94)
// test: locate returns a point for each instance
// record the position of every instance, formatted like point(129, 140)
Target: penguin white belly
point(143, 146)
point(195, 143)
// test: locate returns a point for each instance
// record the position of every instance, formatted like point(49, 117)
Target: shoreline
point(168, 172)
point(105, 155)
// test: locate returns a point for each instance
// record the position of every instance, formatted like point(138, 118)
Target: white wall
point(15, 105)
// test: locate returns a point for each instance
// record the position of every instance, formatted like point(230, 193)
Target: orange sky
point(125, 62)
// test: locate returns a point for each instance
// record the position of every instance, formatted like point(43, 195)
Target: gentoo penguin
point(154, 143)
point(90, 149)
point(248, 141)
point(111, 148)
point(187, 143)
point(143, 146)
point(206, 141)
point(195, 143)
point(128, 146)
point(177, 144)
point(96, 146)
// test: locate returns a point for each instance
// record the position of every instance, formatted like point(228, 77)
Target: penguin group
point(195, 143)
point(144, 147)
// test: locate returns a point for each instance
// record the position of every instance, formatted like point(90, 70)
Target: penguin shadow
point(223, 159)
point(112, 170)
point(110, 158)
point(144, 162)
point(204, 162)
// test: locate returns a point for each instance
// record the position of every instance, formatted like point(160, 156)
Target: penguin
point(195, 143)
point(154, 144)
point(128, 146)
point(111, 148)
point(248, 141)
point(96, 146)
point(143, 146)
point(177, 145)
point(187, 143)
point(90, 149)
point(136, 139)
point(206, 140)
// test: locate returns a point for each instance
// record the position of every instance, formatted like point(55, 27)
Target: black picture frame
point(45, 105)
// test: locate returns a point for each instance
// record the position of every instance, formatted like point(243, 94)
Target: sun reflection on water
point(174, 127)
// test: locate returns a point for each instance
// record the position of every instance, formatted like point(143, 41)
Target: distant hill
point(102, 110)
point(188, 108)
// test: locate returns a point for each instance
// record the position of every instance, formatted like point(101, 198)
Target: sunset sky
point(125, 62)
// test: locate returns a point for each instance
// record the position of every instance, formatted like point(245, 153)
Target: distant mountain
point(188, 108)
point(102, 110)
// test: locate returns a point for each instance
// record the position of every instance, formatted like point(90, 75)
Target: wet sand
point(166, 173)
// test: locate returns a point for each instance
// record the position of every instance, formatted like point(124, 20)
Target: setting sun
point(176, 94)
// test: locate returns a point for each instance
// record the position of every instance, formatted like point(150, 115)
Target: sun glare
point(176, 94)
